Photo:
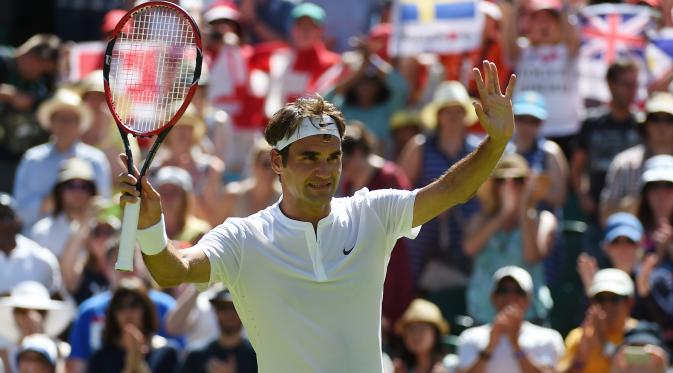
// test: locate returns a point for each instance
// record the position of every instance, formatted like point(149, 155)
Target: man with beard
point(231, 351)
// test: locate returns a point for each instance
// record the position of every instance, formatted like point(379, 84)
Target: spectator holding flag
point(545, 60)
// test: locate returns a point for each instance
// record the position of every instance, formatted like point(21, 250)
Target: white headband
point(310, 126)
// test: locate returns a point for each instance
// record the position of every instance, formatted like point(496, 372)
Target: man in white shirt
point(22, 259)
point(509, 343)
point(306, 274)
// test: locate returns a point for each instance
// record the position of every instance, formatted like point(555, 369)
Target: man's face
point(659, 129)
point(34, 362)
point(508, 292)
point(312, 172)
point(9, 226)
point(305, 33)
point(227, 318)
point(616, 307)
point(65, 126)
point(624, 88)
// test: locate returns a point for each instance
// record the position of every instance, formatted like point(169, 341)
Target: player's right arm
point(169, 267)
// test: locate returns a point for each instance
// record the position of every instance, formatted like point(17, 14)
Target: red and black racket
point(152, 67)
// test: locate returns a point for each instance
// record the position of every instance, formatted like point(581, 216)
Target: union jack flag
point(610, 32)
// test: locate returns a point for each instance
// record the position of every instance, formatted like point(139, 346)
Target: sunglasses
point(514, 290)
point(130, 304)
point(517, 180)
point(609, 298)
point(659, 185)
point(660, 119)
point(78, 185)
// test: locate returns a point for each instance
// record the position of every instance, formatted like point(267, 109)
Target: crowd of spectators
point(562, 261)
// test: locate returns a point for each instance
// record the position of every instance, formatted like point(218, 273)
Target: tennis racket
point(151, 69)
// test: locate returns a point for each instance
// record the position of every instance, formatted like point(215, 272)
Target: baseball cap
point(76, 168)
point(660, 102)
point(221, 296)
point(611, 280)
point(657, 168)
point(41, 344)
point(530, 103)
point(623, 224)
point(643, 333)
point(518, 274)
point(310, 10)
point(174, 176)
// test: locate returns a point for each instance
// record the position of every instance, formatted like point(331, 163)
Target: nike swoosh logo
point(346, 252)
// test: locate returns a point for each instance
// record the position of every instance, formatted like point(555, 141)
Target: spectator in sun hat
point(176, 189)
point(38, 354)
point(509, 230)
point(231, 348)
point(370, 92)
point(421, 328)
point(26, 79)
point(590, 346)
point(21, 259)
point(544, 157)
point(74, 198)
point(28, 310)
point(66, 119)
point(404, 126)
point(622, 182)
point(509, 343)
point(424, 159)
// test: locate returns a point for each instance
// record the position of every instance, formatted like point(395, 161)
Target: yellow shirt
point(596, 361)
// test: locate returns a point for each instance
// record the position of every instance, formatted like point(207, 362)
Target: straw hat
point(76, 169)
point(191, 117)
point(420, 310)
point(64, 99)
point(449, 93)
point(93, 82)
point(33, 295)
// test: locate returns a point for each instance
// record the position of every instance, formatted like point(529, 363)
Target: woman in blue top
point(509, 231)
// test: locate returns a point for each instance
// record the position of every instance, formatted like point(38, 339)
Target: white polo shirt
point(543, 346)
point(311, 301)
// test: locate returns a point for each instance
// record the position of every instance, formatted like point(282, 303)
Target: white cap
point(174, 176)
point(518, 274)
point(41, 344)
point(611, 280)
point(657, 168)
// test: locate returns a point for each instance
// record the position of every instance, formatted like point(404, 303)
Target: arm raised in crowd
point(463, 179)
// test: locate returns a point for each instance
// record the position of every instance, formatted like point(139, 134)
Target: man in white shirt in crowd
point(509, 343)
point(21, 259)
point(306, 274)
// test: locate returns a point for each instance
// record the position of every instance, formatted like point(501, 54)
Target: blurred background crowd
point(563, 261)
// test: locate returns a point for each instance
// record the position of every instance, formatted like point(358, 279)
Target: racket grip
point(127, 239)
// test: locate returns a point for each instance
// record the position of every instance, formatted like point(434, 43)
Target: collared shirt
point(542, 346)
point(311, 299)
point(623, 177)
point(37, 174)
point(29, 262)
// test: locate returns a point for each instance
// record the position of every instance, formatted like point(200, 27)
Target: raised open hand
point(495, 109)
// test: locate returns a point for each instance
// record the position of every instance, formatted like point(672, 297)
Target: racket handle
point(127, 239)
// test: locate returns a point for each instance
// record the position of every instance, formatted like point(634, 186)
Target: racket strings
point(152, 68)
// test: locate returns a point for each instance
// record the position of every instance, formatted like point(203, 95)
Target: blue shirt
point(37, 174)
point(86, 331)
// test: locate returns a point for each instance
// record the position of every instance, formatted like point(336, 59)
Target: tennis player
point(307, 273)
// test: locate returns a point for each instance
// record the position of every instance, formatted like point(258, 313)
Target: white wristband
point(153, 240)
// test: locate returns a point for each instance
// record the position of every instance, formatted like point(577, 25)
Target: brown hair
point(286, 120)
point(134, 288)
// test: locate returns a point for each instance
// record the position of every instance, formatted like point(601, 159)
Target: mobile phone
point(636, 355)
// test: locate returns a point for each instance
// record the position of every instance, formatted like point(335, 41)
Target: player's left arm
point(462, 180)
